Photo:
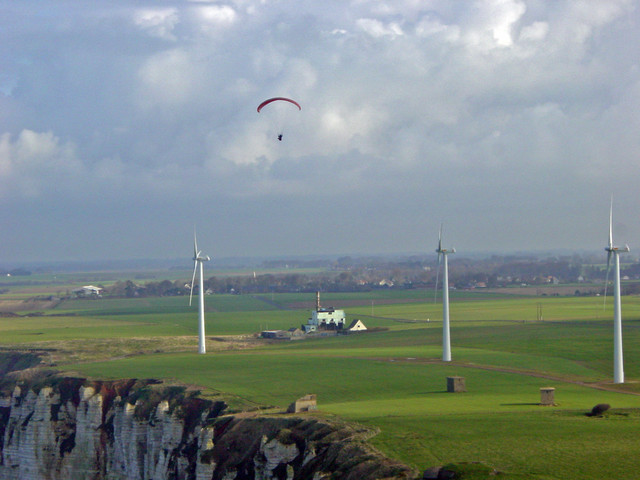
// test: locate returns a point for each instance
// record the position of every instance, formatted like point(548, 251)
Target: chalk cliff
point(69, 428)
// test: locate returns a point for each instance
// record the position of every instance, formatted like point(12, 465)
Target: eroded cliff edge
point(61, 428)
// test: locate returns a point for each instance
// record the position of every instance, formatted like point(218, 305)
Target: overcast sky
point(125, 123)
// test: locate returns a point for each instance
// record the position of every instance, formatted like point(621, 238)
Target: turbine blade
point(195, 244)
point(611, 223)
point(193, 279)
point(439, 250)
point(609, 252)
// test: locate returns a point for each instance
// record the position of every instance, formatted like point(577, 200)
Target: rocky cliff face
point(128, 430)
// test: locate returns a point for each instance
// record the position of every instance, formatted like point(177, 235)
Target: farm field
point(390, 379)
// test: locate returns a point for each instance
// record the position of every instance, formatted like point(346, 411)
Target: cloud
point(169, 78)
point(376, 28)
point(216, 16)
point(34, 163)
point(493, 24)
point(159, 22)
point(537, 31)
point(483, 111)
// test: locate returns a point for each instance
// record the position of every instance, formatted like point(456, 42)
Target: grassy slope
point(393, 379)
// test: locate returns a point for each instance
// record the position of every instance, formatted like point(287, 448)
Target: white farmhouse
point(325, 318)
point(89, 291)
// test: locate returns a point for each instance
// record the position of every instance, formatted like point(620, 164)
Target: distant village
point(324, 321)
point(348, 274)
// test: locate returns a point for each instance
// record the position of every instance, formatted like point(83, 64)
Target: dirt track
point(596, 385)
point(30, 304)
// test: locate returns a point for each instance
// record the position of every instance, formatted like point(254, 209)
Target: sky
point(126, 124)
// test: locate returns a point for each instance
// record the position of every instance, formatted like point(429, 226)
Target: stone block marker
point(547, 395)
point(304, 404)
point(456, 385)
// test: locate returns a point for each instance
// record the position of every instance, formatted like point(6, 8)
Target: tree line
point(350, 275)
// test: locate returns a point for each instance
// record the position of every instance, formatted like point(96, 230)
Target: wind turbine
point(618, 364)
point(446, 339)
point(198, 259)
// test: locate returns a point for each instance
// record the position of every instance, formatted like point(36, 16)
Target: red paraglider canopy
point(274, 99)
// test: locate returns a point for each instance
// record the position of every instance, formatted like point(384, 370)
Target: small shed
point(304, 404)
point(356, 326)
point(295, 333)
point(456, 385)
point(547, 396)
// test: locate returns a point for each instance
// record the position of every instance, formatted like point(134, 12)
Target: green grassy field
point(390, 379)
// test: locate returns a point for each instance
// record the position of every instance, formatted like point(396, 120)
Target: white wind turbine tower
point(618, 364)
point(198, 259)
point(446, 339)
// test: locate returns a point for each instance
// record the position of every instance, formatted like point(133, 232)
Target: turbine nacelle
point(624, 249)
point(201, 258)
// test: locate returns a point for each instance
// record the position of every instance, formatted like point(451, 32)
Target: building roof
point(356, 323)
point(326, 309)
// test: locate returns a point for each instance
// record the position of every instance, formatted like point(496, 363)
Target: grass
point(392, 380)
point(505, 310)
point(548, 443)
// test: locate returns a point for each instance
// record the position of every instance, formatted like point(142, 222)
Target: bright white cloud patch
point(217, 15)
point(376, 28)
point(505, 14)
point(493, 24)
